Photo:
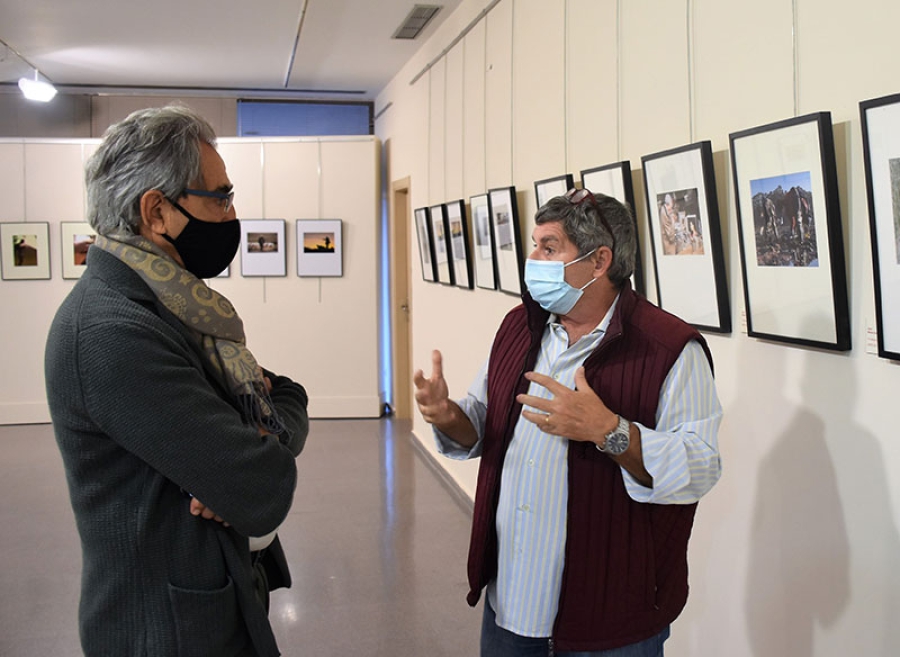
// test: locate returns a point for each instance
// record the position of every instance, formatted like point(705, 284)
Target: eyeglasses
point(226, 198)
point(579, 196)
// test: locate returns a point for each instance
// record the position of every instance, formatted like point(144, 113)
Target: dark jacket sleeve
point(290, 401)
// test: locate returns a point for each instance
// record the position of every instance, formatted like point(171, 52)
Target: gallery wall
point(296, 326)
point(796, 552)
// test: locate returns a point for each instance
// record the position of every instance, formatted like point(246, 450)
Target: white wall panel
point(437, 133)
point(454, 133)
point(473, 113)
point(498, 95)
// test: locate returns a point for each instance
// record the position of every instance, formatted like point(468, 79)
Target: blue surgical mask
point(546, 282)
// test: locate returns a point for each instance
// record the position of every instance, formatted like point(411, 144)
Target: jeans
point(497, 642)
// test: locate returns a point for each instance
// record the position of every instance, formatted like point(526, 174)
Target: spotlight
point(37, 89)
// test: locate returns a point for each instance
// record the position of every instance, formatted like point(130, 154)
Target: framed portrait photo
point(484, 257)
point(615, 180)
point(320, 247)
point(789, 230)
point(426, 247)
point(460, 258)
point(441, 241)
point(507, 239)
point(75, 240)
point(25, 251)
point(263, 247)
point(686, 237)
point(546, 189)
point(880, 121)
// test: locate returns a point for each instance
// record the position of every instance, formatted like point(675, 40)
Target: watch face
point(616, 443)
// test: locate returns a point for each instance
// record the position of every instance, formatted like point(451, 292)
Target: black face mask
point(206, 247)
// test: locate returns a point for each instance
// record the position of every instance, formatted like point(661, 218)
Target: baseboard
point(449, 483)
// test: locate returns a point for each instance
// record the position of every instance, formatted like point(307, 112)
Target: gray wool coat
point(142, 426)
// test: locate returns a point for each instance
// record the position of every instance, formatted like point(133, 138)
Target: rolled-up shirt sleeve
point(682, 452)
point(474, 405)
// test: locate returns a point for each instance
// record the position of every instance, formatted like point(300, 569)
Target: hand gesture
point(198, 508)
point(432, 394)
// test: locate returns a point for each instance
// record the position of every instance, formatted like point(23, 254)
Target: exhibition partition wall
point(321, 331)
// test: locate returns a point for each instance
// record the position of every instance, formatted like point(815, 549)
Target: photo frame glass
point(507, 238)
point(76, 238)
point(484, 260)
point(320, 247)
point(546, 189)
point(683, 214)
point(24, 251)
point(460, 261)
point(441, 243)
point(426, 252)
point(789, 230)
point(263, 247)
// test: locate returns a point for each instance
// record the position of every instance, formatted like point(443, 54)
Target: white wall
point(797, 551)
point(323, 332)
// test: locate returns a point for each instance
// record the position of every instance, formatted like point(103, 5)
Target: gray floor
point(377, 547)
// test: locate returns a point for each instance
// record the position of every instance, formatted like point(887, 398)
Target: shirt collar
point(553, 319)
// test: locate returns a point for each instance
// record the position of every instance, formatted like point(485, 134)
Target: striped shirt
point(681, 455)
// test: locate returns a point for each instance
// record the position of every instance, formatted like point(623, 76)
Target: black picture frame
point(791, 242)
point(686, 236)
point(426, 247)
point(440, 240)
point(547, 188)
point(484, 251)
point(508, 239)
point(615, 180)
point(458, 233)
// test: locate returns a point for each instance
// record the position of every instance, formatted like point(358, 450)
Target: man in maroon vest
point(596, 421)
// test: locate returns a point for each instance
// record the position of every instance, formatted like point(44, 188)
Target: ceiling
point(344, 49)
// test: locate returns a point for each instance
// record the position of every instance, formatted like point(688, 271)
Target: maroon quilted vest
point(625, 574)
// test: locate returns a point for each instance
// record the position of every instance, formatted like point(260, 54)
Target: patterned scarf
point(208, 315)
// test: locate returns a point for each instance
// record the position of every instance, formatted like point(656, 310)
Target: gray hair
point(583, 224)
point(156, 148)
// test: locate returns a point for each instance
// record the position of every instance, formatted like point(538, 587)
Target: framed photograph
point(789, 229)
point(426, 246)
point(615, 180)
point(880, 119)
point(685, 236)
point(546, 189)
point(263, 248)
point(76, 238)
point(440, 239)
point(320, 250)
point(25, 251)
point(507, 239)
point(485, 262)
point(460, 261)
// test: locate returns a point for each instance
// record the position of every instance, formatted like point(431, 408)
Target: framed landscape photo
point(441, 241)
point(263, 247)
point(507, 239)
point(484, 260)
point(686, 237)
point(460, 259)
point(24, 251)
point(426, 248)
point(789, 229)
point(615, 180)
point(76, 238)
point(880, 120)
point(546, 189)
point(320, 247)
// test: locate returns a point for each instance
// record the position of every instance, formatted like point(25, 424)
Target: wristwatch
point(618, 439)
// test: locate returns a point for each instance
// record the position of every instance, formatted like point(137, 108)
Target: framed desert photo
point(25, 251)
point(460, 259)
point(546, 189)
point(685, 236)
point(507, 239)
point(484, 260)
point(881, 155)
point(320, 250)
point(789, 230)
point(263, 247)
point(615, 180)
point(426, 249)
point(441, 242)
point(75, 240)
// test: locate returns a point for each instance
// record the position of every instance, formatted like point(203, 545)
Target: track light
point(37, 89)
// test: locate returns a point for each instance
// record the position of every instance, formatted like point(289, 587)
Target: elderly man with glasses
point(179, 448)
point(596, 421)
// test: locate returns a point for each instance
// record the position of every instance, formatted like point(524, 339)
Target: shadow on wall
point(800, 559)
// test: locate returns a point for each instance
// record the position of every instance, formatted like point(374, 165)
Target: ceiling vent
point(416, 21)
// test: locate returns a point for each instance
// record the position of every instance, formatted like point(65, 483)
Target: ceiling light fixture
point(37, 89)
